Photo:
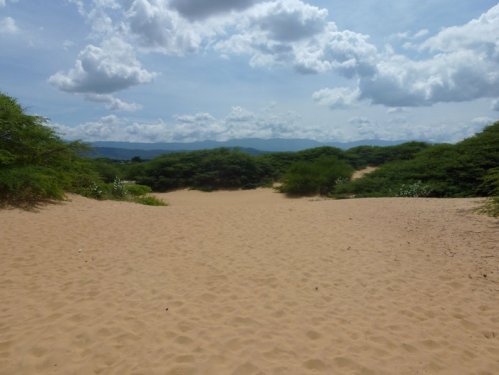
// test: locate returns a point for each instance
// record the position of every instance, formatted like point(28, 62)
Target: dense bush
point(35, 164)
point(463, 169)
point(362, 156)
point(316, 177)
point(204, 170)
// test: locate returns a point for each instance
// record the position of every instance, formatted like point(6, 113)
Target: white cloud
point(198, 118)
point(240, 114)
point(8, 26)
point(103, 70)
point(160, 29)
point(288, 21)
point(336, 98)
point(396, 110)
point(495, 105)
point(199, 9)
point(478, 34)
point(464, 67)
point(421, 33)
point(113, 103)
point(298, 34)
point(238, 123)
point(482, 121)
point(67, 44)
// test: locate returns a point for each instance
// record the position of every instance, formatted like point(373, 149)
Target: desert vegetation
point(36, 165)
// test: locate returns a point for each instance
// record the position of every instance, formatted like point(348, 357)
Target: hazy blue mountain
point(252, 145)
point(128, 153)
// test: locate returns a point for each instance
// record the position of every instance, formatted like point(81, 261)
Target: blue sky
point(189, 70)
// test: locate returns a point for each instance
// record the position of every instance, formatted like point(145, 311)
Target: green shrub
point(27, 185)
point(150, 201)
point(35, 164)
point(415, 190)
point(137, 190)
point(317, 177)
point(491, 207)
point(465, 169)
point(118, 189)
point(490, 184)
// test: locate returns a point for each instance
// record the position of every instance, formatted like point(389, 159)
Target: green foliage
point(460, 170)
point(490, 184)
point(27, 185)
point(118, 189)
point(316, 177)
point(108, 169)
point(150, 201)
point(278, 163)
point(204, 170)
point(415, 190)
point(35, 164)
point(362, 156)
point(138, 190)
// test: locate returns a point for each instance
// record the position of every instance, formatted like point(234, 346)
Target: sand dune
point(249, 282)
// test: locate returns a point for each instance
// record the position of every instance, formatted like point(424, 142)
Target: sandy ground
point(362, 172)
point(249, 282)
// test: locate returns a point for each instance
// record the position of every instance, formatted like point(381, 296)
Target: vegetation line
point(37, 165)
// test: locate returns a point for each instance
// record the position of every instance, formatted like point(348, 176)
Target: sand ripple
point(250, 283)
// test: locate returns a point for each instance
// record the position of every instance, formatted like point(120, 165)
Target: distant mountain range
point(253, 146)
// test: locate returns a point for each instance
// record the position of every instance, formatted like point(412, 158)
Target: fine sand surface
point(250, 282)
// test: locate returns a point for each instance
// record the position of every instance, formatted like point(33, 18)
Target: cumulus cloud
point(482, 121)
point(464, 66)
point(478, 34)
point(396, 110)
point(199, 9)
point(158, 28)
point(113, 103)
point(421, 33)
point(298, 34)
point(240, 114)
point(336, 98)
point(103, 70)
point(8, 26)
point(238, 123)
point(198, 118)
point(288, 21)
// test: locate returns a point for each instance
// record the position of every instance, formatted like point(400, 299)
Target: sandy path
point(250, 283)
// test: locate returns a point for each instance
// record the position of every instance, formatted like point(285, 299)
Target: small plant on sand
point(491, 207)
point(415, 190)
point(150, 201)
point(118, 189)
point(94, 191)
point(137, 190)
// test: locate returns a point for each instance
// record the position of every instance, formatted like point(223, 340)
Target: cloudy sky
point(187, 70)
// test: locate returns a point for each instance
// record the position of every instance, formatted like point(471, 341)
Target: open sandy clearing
point(249, 282)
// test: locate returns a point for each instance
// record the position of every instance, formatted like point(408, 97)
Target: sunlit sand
point(250, 282)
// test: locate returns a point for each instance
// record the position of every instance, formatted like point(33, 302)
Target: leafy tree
point(316, 177)
point(460, 170)
point(35, 164)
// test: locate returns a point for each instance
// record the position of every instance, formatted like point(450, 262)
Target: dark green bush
point(150, 201)
point(203, 170)
point(461, 170)
point(362, 156)
point(35, 164)
point(137, 190)
point(316, 177)
point(29, 184)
